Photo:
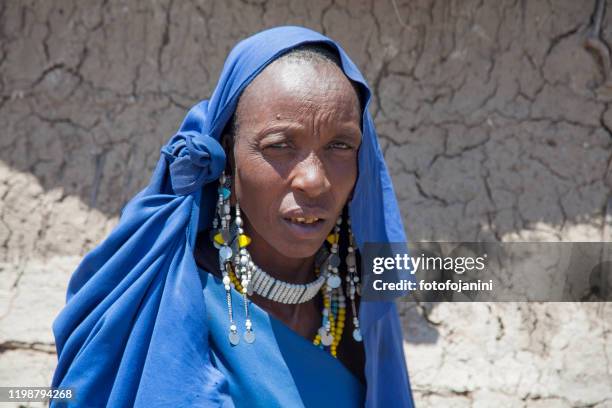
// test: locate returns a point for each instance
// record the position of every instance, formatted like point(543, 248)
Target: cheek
point(342, 176)
point(257, 185)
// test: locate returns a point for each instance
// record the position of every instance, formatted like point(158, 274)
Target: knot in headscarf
point(195, 159)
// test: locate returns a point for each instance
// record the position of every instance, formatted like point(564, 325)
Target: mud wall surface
point(494, 117)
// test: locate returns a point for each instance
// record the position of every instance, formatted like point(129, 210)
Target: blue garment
point(281, 368)
point(133, 331)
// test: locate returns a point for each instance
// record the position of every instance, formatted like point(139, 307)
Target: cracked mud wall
point(494, 117)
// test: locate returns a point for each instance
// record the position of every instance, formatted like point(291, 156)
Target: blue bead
point(225, 192)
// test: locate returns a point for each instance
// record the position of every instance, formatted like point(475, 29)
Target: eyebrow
point(346, 132)
point(350, 132)
point(278, 127)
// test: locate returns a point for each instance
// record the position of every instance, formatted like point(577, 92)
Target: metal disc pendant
point(225, 252)
point(234, 338)
point(333, 281)
point(334, 260)
point(357, 335)
point(249, 336)
point(327, 339)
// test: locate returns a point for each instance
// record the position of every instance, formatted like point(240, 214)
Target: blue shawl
point(133, 331)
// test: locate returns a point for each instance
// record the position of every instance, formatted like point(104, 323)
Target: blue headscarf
point(133, 331)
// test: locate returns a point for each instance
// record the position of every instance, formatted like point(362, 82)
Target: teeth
point(307, 220)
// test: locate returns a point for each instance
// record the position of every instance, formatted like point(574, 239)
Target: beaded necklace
point(337, 305)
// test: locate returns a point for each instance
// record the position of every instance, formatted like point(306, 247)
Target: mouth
point(305, 220)
point(305, 227)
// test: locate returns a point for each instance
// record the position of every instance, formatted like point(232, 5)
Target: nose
point(309, 176)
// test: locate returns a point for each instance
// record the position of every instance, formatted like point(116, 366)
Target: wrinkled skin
point(298, 133)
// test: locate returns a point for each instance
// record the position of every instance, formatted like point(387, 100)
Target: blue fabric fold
point(133, 331)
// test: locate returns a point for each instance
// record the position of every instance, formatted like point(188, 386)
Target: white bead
point(233, 327)
point(226, 280)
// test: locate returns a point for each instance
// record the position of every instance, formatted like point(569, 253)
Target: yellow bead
point(243, 240)
point(219, 239)
point(332, 238)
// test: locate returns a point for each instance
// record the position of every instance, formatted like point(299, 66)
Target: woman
point(231, 280)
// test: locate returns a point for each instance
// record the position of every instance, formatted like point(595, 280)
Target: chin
point(300, 249)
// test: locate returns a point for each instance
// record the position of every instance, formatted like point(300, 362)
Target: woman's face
point(298, 134)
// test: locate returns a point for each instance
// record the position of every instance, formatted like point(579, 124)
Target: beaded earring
point(222, 241)
point(245, 265)
point(352, 280)
point(334, 299)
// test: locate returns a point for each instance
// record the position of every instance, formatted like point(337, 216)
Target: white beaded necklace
point(274, 289)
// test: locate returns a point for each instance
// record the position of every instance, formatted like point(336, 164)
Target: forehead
point(289, 87)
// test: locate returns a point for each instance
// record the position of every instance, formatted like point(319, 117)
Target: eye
point(279, 145)
point(340, 146)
